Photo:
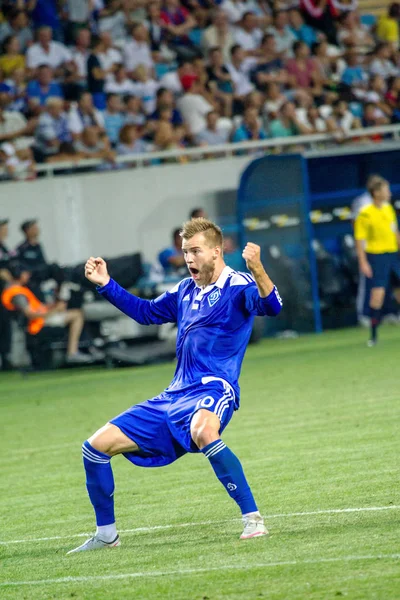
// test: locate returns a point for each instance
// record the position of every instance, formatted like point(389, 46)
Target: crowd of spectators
point(104, 78)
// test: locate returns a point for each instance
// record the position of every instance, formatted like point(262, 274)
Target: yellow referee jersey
point(377, 226)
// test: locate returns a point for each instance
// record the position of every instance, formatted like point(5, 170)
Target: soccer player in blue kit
point(214, 309)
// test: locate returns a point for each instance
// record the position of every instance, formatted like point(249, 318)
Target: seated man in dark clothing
point(172, 259)
point(38, 317)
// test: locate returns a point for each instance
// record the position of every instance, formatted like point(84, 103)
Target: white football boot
point(253, 526)
point(95, 543)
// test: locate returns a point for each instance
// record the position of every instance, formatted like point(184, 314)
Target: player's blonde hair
point(375, 183)
point(210, 230)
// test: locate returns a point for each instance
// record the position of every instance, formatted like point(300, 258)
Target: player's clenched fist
point(251, 255)
point(96, 271)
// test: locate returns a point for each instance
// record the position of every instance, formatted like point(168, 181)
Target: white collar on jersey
point(226, 271)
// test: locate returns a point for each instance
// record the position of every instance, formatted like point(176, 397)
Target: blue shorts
point(161, 426)
point(385, 269)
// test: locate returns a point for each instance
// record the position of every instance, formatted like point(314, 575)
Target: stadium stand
point(211, 55)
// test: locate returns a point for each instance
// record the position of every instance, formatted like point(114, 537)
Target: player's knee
point(205, 429)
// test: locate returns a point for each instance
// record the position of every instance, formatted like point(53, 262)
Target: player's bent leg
point(97, 452)
point(204, 429)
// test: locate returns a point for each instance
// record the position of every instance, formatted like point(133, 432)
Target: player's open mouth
point(194, 272)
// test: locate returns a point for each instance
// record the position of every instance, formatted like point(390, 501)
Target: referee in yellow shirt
point(378, 241)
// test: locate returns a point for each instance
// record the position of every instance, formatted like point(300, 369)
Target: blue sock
point(229, 471)
point(99, 483)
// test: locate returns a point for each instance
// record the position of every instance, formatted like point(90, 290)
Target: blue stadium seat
point(368, 20)
point(195, 36)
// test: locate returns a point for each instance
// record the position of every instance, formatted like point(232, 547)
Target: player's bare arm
point(252, 256)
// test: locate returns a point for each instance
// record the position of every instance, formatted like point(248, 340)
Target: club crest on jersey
point(214, 297)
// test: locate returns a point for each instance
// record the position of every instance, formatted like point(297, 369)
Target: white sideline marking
point(283, 563)
point(330, 511)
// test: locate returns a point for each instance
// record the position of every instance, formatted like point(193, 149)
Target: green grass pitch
point(318, 435)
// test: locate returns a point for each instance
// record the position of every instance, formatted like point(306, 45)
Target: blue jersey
point(214, 323)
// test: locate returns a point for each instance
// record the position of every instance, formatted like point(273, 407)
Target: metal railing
point(311, 142)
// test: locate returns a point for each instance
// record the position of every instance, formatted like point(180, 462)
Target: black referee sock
point(375, 320)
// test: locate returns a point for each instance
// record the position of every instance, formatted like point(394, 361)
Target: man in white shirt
point(248, 35)
point(219, 35)
point(84, 115)
point(47, 52)
point(193, 106)
point(80, 52)
point(239, 69)
point(110, 56)
point(137, 51)
point(235, 9)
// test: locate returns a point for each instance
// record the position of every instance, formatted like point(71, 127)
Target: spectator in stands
point(269, 66)
point(137, 51)
point(250, 129)
point(109, 55)
point(211, 136)
point(387, 28)
point(85, 115)
point(238, 69)
point(130, 141)
point(96, 74)
point(274, 99)
point(373, 116)
point(44, 14)
point(78, 12)
point(300, 30)
point(80, 53)
point(321, 15)
point(134, 111)
point(172, 259)
point(376, 94)
point(381, 64)
point(19, 165)
point(315, 123)
point(247, 34)
point(235, 9)
point(11, 57)
point(172, 80)
point(92, 145)
point(47, 52)
point(284, 36)
point(39, 317)
point(53, 140)
point(14, 127)
point(18, 26)
point(219, 34)
point(178, 23)
point(113, 18)
point(353, 34)
point(344, 121)
point(40, 89)
point(354, 75)
point(193, 106)
point(166, 137)
point(330, 68)
point(157, 33)
point(303, 70)
point(119, 83)
point(146, 88)
point(113, 118)
point(392, 97)
point(220, 81)
point(165, 100)
point(287, 123)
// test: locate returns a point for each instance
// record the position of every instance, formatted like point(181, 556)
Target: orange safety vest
point(37, 323)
